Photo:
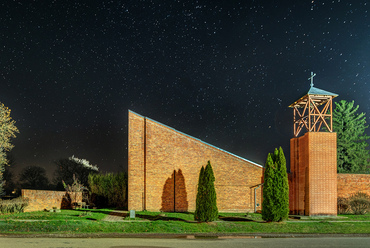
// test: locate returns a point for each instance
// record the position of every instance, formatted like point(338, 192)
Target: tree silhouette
point(34, 177)
point(8, 131)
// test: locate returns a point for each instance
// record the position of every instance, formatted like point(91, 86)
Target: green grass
point(95, 214)
point(79, 221)
point(365, 217)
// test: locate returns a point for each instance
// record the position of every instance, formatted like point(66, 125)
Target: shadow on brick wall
point(66, 202)
point(174, 196)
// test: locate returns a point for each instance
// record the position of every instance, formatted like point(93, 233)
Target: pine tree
point(206, 202)
point(275, 205)
point(351, 138)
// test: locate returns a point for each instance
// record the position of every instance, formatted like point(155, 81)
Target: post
point(255, 197)
point(174, 191)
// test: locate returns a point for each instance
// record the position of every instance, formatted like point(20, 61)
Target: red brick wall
point(136, 157)
point(46, 199)
point(322, 173)
point(313, 179)
point(349, 184)
point(297, 177)
point(164, 166)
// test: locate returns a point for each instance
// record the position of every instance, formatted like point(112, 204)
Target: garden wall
point(349, 184)
point(47, 199)
point(164, 166)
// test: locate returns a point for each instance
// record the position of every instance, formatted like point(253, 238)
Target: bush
point(360, 203)
point(343, 206)
point(206, 202)
point(199, 203)
point(16, 205)
point(109, 190)
point(73, 190)
point(275, 204)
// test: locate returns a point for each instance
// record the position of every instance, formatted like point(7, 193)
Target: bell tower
point(313, 155)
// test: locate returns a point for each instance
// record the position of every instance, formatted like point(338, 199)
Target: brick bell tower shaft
point(313, 156)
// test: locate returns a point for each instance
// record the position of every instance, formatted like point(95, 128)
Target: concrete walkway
point(116, 216)
point(313, 242)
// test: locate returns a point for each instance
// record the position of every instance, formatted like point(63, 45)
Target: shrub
point(343, 206)
point(206, 202)
point(275, 204)
point(359, 202)
point(199, 204)
point(16, 205)
point(73, 190)
point(109, 190)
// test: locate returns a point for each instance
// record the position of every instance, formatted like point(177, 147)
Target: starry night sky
point(221, 71)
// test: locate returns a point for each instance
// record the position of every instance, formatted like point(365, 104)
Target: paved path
point(185, 243)
point(115, 216)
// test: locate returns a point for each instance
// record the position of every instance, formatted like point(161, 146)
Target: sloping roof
point(317, 91)
point(199, 140)
point(323, 96)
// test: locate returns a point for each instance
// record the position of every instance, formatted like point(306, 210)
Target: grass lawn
point(80, 221)
point(96, 214)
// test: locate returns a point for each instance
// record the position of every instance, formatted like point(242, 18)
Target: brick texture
point(313, 177)
point(349, 184)
point(46, 199)
point(164, 166)
point(136, 162)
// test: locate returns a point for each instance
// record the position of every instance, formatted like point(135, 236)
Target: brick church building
point(164, 166)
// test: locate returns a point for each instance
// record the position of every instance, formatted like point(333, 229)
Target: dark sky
point(221, 71)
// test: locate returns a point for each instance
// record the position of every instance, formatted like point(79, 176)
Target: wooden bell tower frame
point(313, 111)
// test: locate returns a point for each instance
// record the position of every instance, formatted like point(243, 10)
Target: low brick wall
point(47, 199)
point(349, 184)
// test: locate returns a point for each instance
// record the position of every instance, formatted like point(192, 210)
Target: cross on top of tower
point(311, 78)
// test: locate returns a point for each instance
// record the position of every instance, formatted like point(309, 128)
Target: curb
point(183, 236)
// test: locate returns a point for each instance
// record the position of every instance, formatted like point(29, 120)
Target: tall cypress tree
point(210, 196)
point(199, 209)
point(282, 185)
point(275, 205)
point(206, 202)
point(268, 206)
point(351, 138)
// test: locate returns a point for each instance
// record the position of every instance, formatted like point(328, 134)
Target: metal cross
point(311, 78)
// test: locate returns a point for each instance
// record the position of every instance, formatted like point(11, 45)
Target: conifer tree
point(206, 202)
point(282, 185)
point(199, 209)
point(350, 126)
point(210, 196)
point(275, 205)
point(268, 205)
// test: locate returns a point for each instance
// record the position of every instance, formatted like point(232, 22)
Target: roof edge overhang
point(296, 103)
point(315, 93)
